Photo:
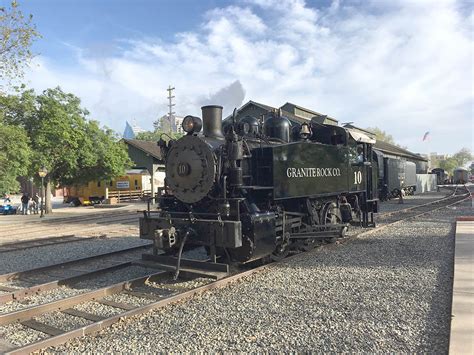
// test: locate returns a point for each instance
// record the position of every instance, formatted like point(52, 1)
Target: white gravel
point(19, 335)
point(98, 309)
point(386, 292)
point(47, 255)
point(96, 282)
point(42, 298)
point(63, 321)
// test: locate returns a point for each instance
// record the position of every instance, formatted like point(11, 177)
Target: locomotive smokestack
point(212, 121)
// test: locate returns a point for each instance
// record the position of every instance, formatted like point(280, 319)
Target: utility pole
point(170, 105)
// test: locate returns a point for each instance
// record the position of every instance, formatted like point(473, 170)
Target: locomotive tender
point(460, 176)
point(260, 188)
point(395, 175)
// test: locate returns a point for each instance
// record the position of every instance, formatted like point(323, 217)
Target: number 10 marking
point(357, 177)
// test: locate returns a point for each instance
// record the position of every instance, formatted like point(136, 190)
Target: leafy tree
point(109, 155)
point(448, 164)
point(156, 135)
point(381, 135)
point(72, 148)
point(14, 157)
point(458, 159)
point(19, 110)
point(17, 35)
point(462, 157)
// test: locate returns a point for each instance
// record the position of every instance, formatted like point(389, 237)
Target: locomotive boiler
point(260, 187)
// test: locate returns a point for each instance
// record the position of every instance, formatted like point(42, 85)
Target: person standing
point(24, 203)
point(36, 201)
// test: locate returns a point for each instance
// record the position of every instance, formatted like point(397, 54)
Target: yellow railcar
point(134, 185)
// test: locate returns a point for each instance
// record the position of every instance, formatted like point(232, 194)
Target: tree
point(381, 135)
point(462, 157)
point(109, 156)
point(156, 135)
point(15, 150)
point(17, 35)
point(73, 149)
point(448, 164)
point(458, 159)
point(15, 156)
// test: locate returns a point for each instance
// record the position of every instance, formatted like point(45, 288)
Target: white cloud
point(405, 67)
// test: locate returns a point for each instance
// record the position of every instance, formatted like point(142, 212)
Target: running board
point(331, 231)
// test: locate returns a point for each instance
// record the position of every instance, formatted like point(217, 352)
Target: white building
point(164, 124)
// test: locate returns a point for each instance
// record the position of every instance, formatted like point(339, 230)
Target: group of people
point(34, 205)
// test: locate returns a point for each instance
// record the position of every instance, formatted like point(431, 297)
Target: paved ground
point(462, 323)
point(120, 220)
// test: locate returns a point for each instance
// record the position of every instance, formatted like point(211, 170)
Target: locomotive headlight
point(191, 124)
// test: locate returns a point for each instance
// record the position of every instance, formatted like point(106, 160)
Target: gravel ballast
point(389, 291)
point(53, 254)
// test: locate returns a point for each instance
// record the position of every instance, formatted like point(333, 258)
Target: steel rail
point(425, 204)
point(65, 303)
point(21, 293)
point(97, 326)
point(461, 198)
point(102, 324)
point(40, 242)
point(17, 274)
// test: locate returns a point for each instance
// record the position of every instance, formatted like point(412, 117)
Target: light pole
point(42, 173)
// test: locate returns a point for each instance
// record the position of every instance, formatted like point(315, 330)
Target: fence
point(130, 195)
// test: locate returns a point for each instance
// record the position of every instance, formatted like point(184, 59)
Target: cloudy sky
point(404, 66)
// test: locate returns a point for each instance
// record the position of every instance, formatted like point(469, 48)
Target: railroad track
point(152, 290)
point(459, 191)
point(20, 284)
point(40, 242)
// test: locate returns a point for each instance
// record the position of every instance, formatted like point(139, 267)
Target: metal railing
point(129, 195)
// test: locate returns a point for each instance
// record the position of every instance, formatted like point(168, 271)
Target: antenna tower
point(170, 106)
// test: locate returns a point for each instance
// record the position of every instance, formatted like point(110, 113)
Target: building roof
point(395, 150)
point(265, 107)
point(350, 125)
point(136, 171)
point(314, 113)
point(148, 147)
point(249, 103)
point(290, 115)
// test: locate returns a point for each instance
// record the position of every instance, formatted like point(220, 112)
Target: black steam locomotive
point(260, 188)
